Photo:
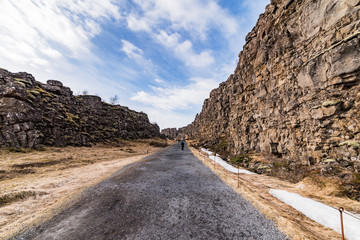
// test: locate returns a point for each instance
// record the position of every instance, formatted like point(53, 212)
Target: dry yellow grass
point(255, 188)
point(43, 183)
point(36, 185)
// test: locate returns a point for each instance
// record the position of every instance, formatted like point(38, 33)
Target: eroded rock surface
point(295, 91)
point(33, 113)
point(170, 133)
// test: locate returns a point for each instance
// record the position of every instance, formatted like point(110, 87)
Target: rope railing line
point(337, 209)
point(340, 209)
point(346, 212)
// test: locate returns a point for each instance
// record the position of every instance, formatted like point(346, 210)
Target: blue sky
point(162, 57)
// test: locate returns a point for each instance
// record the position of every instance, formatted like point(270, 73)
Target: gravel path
point(169, 195)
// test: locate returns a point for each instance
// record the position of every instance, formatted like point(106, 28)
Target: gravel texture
point(169, 195)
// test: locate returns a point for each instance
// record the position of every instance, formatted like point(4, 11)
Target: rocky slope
point(295, 92)
point(33, 114)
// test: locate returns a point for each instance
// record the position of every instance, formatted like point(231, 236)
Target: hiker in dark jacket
point(182, 145)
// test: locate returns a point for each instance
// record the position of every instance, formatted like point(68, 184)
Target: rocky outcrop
point(173, 133)
point(33, 114)
point(295, 92)
point(170, 133)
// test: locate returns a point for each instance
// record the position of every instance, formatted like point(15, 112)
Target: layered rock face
point(171, 133)
point(295, 92)
point(33, 113)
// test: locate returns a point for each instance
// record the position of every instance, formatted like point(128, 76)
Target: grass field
point(35, 185)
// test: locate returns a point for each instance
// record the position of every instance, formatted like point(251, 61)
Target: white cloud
point(94, 9)
point(131, 50)
point(52, 53)
point(53, 39)
point(184, 50)
point(175, 98)
point(169, 119)
point(164, 19)
point(159, 80)
point(35, 33)
point(136, 54)
point(168, 40)
point(137, 24)
point(195, 16)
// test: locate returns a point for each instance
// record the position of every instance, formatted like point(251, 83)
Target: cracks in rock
point(332, 47)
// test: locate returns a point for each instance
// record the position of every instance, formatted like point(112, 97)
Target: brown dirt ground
point(36, 185)
point(255, 188)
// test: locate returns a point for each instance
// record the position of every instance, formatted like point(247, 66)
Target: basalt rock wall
point(170, 133)
point(295, 92)
point(33, 113)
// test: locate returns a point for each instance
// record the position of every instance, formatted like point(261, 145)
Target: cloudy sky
point(162, 57)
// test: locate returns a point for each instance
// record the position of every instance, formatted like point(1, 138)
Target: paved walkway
point(169, 195)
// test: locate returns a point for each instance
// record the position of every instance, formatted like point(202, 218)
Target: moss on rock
point(350, 143)
point(330, 103)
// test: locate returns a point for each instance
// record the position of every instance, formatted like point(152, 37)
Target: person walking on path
point(182, 144)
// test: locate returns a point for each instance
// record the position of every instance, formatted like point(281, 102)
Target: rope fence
point(340, 209)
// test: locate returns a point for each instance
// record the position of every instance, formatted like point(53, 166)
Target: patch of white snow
point(321, 213)
point(224, 164)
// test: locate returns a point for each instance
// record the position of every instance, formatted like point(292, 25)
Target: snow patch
point(224, 164)
point(321, 213)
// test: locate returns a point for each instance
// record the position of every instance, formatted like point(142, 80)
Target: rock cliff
point(33, 114)
point(170, 133)
point(295, 91)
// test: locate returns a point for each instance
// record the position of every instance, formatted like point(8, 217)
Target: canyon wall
point(33, 113)
point(170, 133)
point(295, 91)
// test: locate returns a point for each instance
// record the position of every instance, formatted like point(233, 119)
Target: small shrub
point(12, 197)
point(220, 147)
point(158, 144)
point(130, 150)
point(280, 165)
point(18, 150)
point(240, 159)
point(351, 164)
point(343, 191)
point(356, 178)
point(41, 148)
point(237, 159)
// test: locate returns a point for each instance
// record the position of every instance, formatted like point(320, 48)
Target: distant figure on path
point(182, 145)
